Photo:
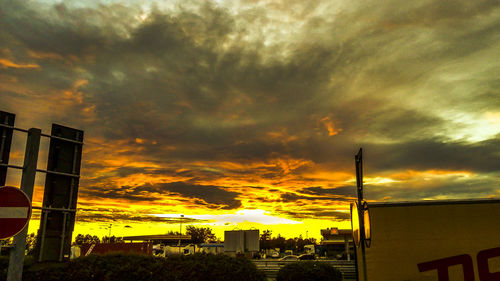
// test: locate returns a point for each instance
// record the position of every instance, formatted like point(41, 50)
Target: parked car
point(289, 258)
point(275, 255)
point(306, 257)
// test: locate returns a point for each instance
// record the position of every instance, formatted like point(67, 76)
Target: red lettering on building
point(442, 267)
point(482, 264)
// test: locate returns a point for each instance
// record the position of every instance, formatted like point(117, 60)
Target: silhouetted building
point(337, 243)
point(241, 242)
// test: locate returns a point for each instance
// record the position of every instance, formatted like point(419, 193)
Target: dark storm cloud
point(58, 30)
point(195, 88)
point(314, 213)
point(107, 215)
point(347, 191)
point(453, 187)
point(292, 197)
point(124, 192)
point(482, 157)
point(213, 197)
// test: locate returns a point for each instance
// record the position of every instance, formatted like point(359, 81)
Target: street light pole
point(358, 160)
point(180, 232)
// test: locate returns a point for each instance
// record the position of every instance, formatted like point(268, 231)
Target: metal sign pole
point(359, 182)
point(16, 262)
point(359, 175)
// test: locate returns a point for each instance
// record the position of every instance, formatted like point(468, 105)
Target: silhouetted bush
point(4, 265)
point(125, 267)
point(309, 271)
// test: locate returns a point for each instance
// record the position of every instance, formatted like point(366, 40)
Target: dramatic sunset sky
point(248, 113)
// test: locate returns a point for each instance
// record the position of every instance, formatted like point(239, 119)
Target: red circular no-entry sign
point(15, 211)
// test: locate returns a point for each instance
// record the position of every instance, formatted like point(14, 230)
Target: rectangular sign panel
point(61, 191)
point(5, 142)
point(433, 241)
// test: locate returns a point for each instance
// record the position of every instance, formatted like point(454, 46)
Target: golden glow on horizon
point(429, 173)
point(378, 180)
point(240, 216)
point(409, 175)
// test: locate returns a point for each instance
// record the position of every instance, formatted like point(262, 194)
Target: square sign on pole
point(16, 260)
point(61, 193)
point(6, 119)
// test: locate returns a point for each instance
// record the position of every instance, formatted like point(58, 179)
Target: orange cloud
point(69, 60)
point(330, 126)
point(74, 95)
point(256, 190)
point(44, 55)
point(282, 136)
point(5, 63)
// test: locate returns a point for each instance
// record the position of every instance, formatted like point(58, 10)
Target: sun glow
point(238, 217)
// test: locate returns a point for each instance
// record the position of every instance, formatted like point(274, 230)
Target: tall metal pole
point(359, 183)
point(359, 175)
point(16, 262)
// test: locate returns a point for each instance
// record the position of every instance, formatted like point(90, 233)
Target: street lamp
point(180, 232)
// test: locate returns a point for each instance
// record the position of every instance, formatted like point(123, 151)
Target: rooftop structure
point(338, 241)
point(241, 242)
point(158, 237)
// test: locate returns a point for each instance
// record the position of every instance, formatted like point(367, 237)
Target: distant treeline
point(295, 244)
point(198, 235)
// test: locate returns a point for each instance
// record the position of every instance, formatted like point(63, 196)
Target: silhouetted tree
point(30, 243)
point(296, 244)
point(265, 239)
point(200, 234)
point(112, 239)
point(86, 239)
point(266, 235)
point(278, 242)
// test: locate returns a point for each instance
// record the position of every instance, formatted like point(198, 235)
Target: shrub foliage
point(126, 267)
point(309, 271)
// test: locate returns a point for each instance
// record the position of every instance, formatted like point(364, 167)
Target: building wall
point(234, 241)
point(241, 241)
point(252, 243)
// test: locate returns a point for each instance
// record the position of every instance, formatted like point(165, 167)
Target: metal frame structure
point(56, 181)
point(29, 170)
point(6, 120)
